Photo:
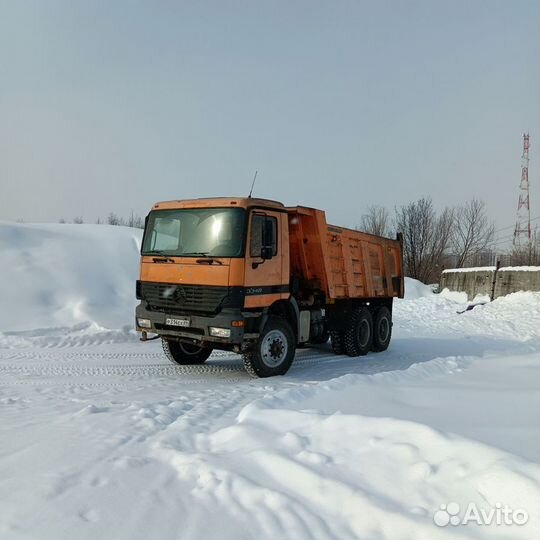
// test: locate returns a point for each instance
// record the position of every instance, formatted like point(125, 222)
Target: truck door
point(267, 271)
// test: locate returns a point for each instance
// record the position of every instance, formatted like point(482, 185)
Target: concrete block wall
point(518, 278)
point(475, 281)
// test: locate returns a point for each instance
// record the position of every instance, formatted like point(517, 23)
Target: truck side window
point(273, 220)
point(257, 232)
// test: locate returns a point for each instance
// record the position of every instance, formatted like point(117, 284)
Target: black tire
point(336, 338)
point(185, 354)
point(274, 351)
point(358, 336)
point(382, 329)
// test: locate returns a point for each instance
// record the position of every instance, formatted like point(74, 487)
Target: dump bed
point(341, 262)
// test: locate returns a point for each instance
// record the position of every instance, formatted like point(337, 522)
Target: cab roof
point(213, 202)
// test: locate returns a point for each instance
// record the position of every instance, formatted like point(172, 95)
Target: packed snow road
point(100, 437)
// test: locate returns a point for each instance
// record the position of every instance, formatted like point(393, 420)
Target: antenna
point(252, 184)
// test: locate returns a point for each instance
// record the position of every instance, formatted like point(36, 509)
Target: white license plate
point(177, 321)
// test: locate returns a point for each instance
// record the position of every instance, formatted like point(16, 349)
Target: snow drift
point(63, 275)
point(416, 289)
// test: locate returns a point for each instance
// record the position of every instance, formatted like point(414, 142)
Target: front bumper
point(199, 329)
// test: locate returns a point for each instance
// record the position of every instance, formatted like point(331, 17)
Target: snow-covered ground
point(100, 437)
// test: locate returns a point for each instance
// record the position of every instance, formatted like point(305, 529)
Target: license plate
point(177, 321)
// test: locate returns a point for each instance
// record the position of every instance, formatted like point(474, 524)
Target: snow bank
point(455, 296)
point(493, 268)
point(416, 289)
point(515, 316)
point(61, 275)
point(520, 269)
point(367, 477)
point(472, 269)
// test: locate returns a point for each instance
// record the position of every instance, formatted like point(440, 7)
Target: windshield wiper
point(208, 260)
point(164, 258)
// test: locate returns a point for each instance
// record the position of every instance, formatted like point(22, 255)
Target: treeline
point(134, 220)
point(433, 240)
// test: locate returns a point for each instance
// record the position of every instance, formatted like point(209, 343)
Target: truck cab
point(226, 273)
point(208, 267)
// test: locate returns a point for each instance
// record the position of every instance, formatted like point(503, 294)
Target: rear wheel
point(274, 351)
point(185, 353)
point(336, 338)
point(358, 336)
point(382, 329)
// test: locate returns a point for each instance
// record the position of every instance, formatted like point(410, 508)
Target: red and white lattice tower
point(522, 232)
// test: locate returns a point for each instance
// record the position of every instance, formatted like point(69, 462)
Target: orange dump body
point(343, 263)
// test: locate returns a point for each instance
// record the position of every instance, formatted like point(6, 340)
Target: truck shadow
point(319, 363)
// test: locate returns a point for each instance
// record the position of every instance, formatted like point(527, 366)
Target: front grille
point(201, 299)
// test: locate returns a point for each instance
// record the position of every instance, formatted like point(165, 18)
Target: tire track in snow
point(230, 364)
point(40, 354)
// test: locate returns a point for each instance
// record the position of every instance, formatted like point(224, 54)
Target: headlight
point(220, 332)
point(144, 323)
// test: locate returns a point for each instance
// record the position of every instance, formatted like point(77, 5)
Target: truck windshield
point(195, 232)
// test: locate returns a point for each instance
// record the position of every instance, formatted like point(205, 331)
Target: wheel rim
point(384, 328)
point(188, 349)
point(274, 348)
point(363, 333)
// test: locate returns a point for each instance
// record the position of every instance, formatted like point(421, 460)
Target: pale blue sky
point(112, 105)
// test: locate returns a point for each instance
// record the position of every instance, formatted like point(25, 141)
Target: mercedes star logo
point(180, 295)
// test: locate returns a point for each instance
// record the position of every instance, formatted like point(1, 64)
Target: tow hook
point(144, 337)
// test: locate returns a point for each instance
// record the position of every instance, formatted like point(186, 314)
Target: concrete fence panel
point(517, 278)
point(475, 281)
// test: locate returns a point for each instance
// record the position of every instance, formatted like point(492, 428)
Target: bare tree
point(528, 254)
point(439, 244)
point(375, 221)
point(61, 220)
point(426, 238)
point(135, 221)
point(78, 220)
point(113, 219)
point(472, 233)
point(138, 223)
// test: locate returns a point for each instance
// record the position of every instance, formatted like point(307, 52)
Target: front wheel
point(274, 351)
point(185, 353)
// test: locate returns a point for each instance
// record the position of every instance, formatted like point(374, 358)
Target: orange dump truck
point(258, 278)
